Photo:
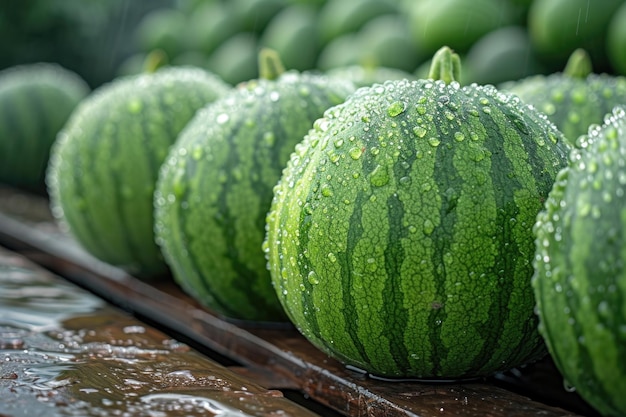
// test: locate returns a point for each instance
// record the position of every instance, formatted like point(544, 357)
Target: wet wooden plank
point(280, 357)
point(65, 351)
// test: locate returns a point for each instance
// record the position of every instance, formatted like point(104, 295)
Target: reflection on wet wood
point(66, 352)
point(279, 357)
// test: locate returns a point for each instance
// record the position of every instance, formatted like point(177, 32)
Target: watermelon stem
point(270, 65)
point(154, 60)
point(446, 66)
point(578, 65)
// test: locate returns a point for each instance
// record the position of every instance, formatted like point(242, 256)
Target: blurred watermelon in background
point(90, 37)
point(499, 40)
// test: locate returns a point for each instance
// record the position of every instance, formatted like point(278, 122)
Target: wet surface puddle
point(64, 352)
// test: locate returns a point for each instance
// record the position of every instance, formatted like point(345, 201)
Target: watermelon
point(456, 23)
point(292, 33)
point(559, 27)
point(104, 164)
point(35, 102)
point(215, 187)
point(580, 277)
point(575, 98)
point(502, 55)
point(399, 238)
point(235, 59)
point(208, 25)
point(339, 17)
point(616, 40)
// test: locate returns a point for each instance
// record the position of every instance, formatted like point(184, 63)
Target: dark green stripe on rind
point(367, 158)
point(580, 278)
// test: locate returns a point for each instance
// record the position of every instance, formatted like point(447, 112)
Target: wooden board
point(66, 352)
point(278, 356)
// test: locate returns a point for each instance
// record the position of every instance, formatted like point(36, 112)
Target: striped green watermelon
point(35, 102)
point(580, 278)
point(215, 187)
point(400, 235)
point(574, 99)
point(105, 163)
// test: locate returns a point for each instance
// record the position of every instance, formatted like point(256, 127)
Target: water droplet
point(597, 184)
point(487, 109)
point(604, 309)
point(269, 138)
point(332, 257)
point(375, 151)
point(548, 108)
point(405, 181)
point(334, 157)
point(449, 115)
point(558, 96)
point(573, 117)
point(370, 265)
point(312, 278)
point(135, 106)
point(396, 108)
point(429, 227)
point(222, 118)
point(326, 190)
point(477, 154)
point(459, 136)
point(568, 386)
point(355, 153)
point(553, 138)
point(274, 96)
point(237, 174)
point(379, 176)
point(579, 95)
point(584, 209)
point(197, 153)
point(419, 131)
point(179, 187)
point(434, 141)
point(321, 124)
point(338, 143)
point(520, 124)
